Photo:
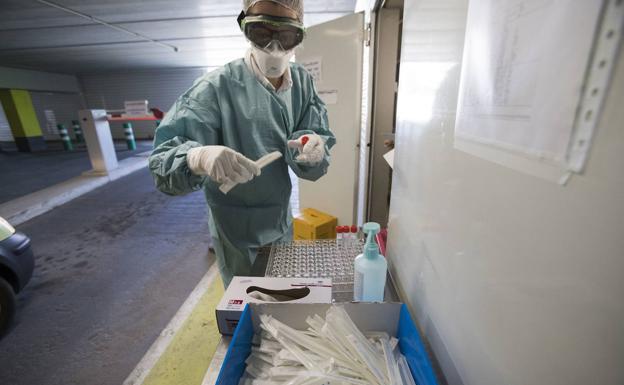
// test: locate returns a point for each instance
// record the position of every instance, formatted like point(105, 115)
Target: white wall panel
point(514, 279)
point(161, 88)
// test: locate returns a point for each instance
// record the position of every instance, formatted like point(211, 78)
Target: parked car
point(16, 267)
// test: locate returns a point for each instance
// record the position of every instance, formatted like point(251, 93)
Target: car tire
point(7, 306)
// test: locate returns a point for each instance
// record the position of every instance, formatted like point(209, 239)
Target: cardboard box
point(136, 107)
point(314, 224)
point(244, 290)
point(393, 318)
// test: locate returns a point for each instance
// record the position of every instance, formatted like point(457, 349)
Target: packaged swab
point(406, 374)
point(368, 358)
point(392, 367)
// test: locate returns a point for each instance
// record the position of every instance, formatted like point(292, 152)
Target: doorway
point(387, 43)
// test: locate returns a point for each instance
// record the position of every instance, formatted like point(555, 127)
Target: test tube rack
point(327, 258)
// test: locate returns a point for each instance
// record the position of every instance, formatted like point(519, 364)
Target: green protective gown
point(230, 107)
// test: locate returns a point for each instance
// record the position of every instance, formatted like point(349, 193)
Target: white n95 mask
point(272, 64)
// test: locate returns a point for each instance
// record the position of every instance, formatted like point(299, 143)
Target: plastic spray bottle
point(370, 269)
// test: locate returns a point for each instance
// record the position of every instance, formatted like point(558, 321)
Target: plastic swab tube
point(406, 374)
point(291, 347)
point(392, 367)
point(368, 359)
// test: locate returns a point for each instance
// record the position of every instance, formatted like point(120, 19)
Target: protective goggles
point(262, 30)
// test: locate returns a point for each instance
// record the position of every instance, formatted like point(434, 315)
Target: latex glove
point(221, 164)
point(311, 149)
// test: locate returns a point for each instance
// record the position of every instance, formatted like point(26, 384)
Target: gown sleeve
point(188, 124)
point(314, 121)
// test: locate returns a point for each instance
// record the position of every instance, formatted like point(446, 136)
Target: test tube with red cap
point(342, 234)
point(339, 233)
point(353, 231)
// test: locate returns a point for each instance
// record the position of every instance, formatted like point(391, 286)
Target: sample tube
point(338, 234)
point(345, 233)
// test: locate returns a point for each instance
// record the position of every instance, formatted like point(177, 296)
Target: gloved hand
point(221, 164)
point(311, 149)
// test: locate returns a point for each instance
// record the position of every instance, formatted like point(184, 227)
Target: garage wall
point(52, 91)
point(514, 279)
point(5, 130)
point(160, 87)
point(65, 107)
point(37, 80)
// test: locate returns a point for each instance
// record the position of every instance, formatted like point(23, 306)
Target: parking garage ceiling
point(58, 36)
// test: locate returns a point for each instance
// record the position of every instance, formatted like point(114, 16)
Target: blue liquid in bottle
point(370, 269)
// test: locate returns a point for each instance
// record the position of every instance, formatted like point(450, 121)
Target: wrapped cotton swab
point(405, 371)
point(392, 367)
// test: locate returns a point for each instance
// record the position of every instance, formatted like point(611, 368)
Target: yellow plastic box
point(314, 224)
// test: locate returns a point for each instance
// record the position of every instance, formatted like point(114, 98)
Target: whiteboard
point(512, 279)
point(522, 78)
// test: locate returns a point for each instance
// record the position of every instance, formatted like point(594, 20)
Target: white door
point(338, 47)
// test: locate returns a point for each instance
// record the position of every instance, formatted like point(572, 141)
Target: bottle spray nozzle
point(371, 249)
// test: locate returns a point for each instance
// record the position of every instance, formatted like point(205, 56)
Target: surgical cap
point(294, 5)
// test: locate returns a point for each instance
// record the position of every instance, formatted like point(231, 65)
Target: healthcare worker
point(232, 117)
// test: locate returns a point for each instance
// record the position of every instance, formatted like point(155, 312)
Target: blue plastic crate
point(403, 328)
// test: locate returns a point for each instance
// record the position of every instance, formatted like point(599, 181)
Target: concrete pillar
point(21, 116)
point(97, 135)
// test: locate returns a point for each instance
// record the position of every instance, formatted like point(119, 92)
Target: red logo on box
point(235, 302)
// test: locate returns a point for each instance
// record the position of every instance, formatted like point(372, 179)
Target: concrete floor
point(112, 269)
point(22, 173)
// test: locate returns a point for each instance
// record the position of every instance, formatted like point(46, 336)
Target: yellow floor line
point(188, 356)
